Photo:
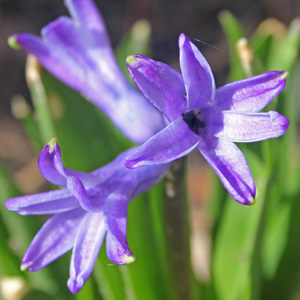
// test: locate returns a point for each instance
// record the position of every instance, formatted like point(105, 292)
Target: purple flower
point(205, 117)
point(78, 52)
point(92, 206)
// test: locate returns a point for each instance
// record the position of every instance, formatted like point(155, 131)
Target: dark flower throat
point(191, 118)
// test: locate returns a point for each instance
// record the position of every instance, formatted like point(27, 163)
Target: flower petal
point(51, 167)
point(244, 127)
point(229, 163)
point(56, 61)
point(88, 18)
point(116, 219)
point(87, 246)
point(197, 75)
point(173, 142)
point(145, 178)
point(64, 35)
point(160, 84)
point(251, 94)
point(56, 237)
point(44, 203)
point(91, 69)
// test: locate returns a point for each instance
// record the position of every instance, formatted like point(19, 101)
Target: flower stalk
point(177, 230)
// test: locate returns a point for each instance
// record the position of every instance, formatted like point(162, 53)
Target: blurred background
point(200, 20)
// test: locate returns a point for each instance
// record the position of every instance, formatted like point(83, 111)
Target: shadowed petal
point(56, 237)
point(116, 219)
point(87, 245)
point(173, 142)
point(229, 163)
point(80, 193)
point(251, 94)
point(197, 75)
point(160, 84)
point(43, 204)
point(244, 127)
point(146, 177)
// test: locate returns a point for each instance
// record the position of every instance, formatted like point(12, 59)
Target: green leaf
point(136, 41)
point(235, 242)
point(234, 33)
point(284, 52)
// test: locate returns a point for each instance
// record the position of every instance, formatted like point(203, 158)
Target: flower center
point(191, 118)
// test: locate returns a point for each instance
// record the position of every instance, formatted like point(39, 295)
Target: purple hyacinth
point(78, 52)
point(92, 206)
point(205, 117)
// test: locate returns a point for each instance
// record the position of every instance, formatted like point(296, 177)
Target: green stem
point(39, 99)
point(177, 230)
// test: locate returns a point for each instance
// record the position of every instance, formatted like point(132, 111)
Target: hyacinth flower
point(90, 207)
point(210, 119)
point(78, 52)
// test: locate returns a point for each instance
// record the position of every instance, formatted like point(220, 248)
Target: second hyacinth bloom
point(90, 207)
point(210, 119)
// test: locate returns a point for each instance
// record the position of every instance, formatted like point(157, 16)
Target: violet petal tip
point(75, 285)
point(181, 40)
point(128, 259)
point(279, 120)
point(13, 42)
point(130, 60)
point(25, 266)
point(284, 75)
point(52, 144)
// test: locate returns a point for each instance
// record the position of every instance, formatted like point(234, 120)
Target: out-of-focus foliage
point(255, 250)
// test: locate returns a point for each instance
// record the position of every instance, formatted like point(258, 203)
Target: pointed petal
point(54, 59)
point(88, 18)
point(55, 238)
point(86, 202)
point(43, 204)
point(197, 75)
point(251, 94)
point(51, 167)
point(50, 164)
point(160, 84)
point(116, 219)
point(87, 246)
point(242, 127)
point(229, 163)
point(173, 142)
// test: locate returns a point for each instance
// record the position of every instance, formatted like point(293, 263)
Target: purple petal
point(87, 246)
point(51, 167)
point(80, 193)
point(50, 164)
point(251, 94)
point(56, 61)
point(79, 54)
point(56, 237)
point(160, 84)
point(229, 163)
point(88, 18)
point(173, 142)
point(43, 204)
point(62, 34)
point(145, 178)
point(244, 127)
point(116, 219)
point(197, 75)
